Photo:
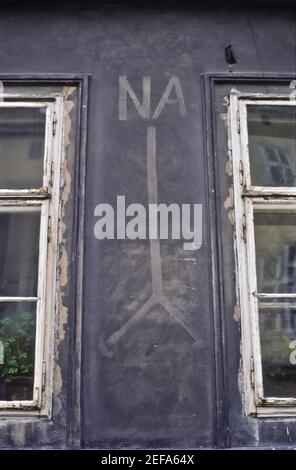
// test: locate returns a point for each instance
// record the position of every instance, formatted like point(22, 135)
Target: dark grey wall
point(156, 385)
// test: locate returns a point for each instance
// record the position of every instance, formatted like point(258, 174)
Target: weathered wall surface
point(150, 381)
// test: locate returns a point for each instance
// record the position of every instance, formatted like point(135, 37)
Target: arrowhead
point(103, 348)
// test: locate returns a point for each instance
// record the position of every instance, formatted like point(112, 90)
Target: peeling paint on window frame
point(63, 380)
point(47, 199)
point(245, 196)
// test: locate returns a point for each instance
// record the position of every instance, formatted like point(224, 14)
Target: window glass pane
point(17, 350)
point(275, 240)
point(272, 145)
point(22, 136)
point(278, 349)
point(19, 247)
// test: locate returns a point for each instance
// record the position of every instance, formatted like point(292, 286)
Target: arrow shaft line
point(115, 337)
point(156, 272)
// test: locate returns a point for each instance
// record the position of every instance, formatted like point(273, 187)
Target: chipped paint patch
point(69, 106)
point(228, 168)
point(237, 313)
point(65, 196)
point(64, 268)
point(58, 383)
point(226, 100)
point(229, 202)
point(63, 261)
point(223, 116)
point(63, 318)
point(252, 422)
point(229, 206)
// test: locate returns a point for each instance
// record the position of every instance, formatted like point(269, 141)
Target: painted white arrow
point(157, 297)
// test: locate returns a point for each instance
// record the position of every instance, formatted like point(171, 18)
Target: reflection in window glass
point(275, 238)
point(22, 137)
point(277, 337)
point(272, 145)
point(19, 248)
point(17, 350)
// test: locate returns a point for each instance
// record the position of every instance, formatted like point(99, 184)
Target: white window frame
point(47, 199)
point(246, 197)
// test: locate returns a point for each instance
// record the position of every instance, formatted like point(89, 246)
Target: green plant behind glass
point(18, 338)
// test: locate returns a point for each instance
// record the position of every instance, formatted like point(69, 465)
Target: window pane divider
point(258, 191)
point(18, 299)
point(24, 104)
point(275, 296)
point(41, 193)
point(21, 205)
